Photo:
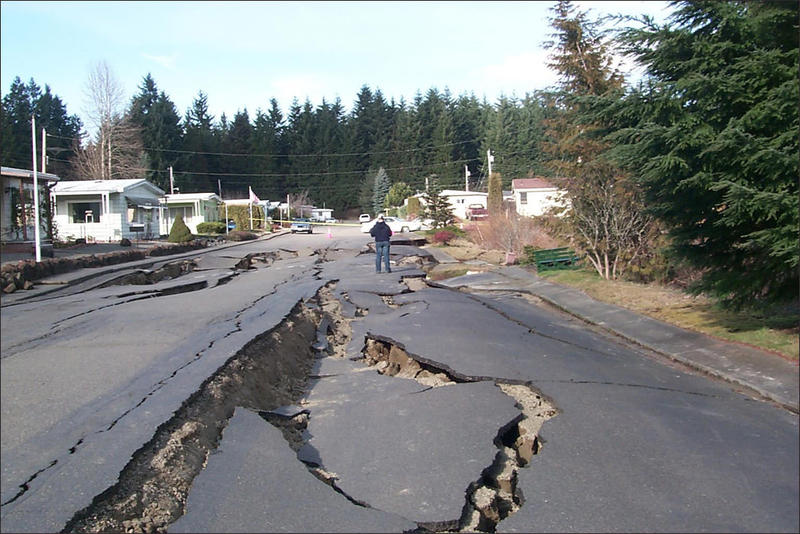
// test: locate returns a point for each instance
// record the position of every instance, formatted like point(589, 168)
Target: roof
point(191, 197)
point(456, 192)
point(25, 173)
point(93, 187)
point(531, 183)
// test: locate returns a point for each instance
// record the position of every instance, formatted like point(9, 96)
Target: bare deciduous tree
point(298, 202)
point(606, 214)
point(116, 151)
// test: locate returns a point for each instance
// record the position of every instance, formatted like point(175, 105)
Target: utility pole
point(36, 230)
point(219, 186)
point(466, 177)
point(44, 151)
point(491, 159)
point(171, 182)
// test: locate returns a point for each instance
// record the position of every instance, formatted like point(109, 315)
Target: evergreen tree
point(162, 135)
point(199, 143)
point(63, 130)
point(239, 145)
point(380, 190)
point(437, 207)
point(606, 215)
point(495, 198)
point(179, 233)
point(713, 133)
point(397, 194)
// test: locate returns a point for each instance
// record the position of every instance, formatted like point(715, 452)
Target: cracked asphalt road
point(89, 377)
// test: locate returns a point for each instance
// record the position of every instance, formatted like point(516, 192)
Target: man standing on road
point(381, 232)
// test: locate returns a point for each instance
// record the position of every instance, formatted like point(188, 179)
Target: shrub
point(179, 233)
point(241, 235)
point(414, 208)
point(443, 236)
point(510, 233)
point(124, 242)
point(214, 227)
point(455, 230)
point(241, 216)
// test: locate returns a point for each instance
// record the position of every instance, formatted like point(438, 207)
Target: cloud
point(168, 62)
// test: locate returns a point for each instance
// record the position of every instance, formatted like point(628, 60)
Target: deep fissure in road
point(495, 495)
point(270, 371)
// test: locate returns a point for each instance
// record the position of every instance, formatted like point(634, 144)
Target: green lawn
point(774, 330)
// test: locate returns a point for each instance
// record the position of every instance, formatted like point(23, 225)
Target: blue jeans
point(382, 249)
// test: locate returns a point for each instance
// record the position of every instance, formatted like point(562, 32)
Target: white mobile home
point(107, 210)
point(534, 196)
point(460, 200)
point(195, 208)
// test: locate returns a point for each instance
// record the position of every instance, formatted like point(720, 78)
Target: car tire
point(404, 229)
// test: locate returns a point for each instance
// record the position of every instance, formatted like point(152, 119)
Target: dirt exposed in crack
point(391, 360)
point(495, 495)
point(270, 371)
point(146, 277)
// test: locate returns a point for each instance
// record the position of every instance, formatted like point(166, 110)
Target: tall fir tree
point(713, 134)
point(162, 135)
point(380, 190)
point(605, 215)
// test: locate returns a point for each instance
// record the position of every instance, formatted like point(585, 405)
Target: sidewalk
point(771, 376)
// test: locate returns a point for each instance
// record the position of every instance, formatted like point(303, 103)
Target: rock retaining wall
point(23, 274)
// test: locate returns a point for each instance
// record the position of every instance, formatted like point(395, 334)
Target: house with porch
point(107, 210)
point(17, 215)
point(534, 196)
point(195, 208)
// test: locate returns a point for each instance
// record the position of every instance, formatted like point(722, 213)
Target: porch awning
point(143, 202)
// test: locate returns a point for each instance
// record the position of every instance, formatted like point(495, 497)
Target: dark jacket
point(381, 231)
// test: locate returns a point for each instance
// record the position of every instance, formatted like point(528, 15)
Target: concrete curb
point(765, 374)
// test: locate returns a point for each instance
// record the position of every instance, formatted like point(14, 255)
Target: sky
point(242, 54)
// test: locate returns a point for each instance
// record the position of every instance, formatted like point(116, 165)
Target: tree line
point(695, 166)
point(321, 149)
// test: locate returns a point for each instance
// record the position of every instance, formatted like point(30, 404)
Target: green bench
point(555, 258)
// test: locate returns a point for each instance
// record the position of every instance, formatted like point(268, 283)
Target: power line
point(337, 154)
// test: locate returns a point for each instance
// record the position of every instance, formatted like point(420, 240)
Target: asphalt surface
point(636, 444)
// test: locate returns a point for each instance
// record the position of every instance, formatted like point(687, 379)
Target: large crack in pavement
point(268, 376)
point(151, 492)
point(494, 494)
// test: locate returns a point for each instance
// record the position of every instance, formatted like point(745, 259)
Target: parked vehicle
point(301, 225)
point(397, 225)
point(477, 212)
point(364, 217)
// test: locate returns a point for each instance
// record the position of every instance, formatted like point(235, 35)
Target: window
point(183, 211)
point(523, 197)
point(82, 212)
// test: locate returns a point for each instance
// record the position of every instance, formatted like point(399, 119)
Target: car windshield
point(301, 220)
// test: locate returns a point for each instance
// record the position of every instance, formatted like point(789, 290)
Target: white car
point(397, 225)
point(364, 217)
